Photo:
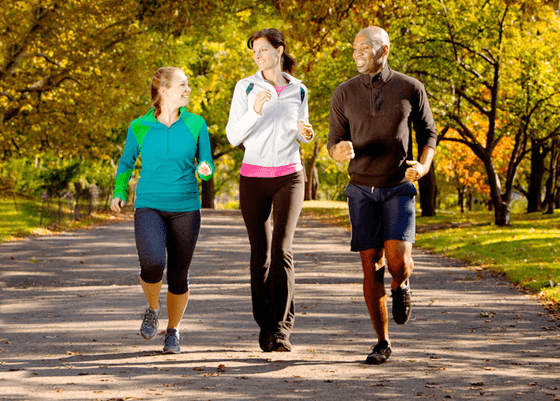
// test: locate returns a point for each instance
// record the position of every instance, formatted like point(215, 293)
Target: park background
point(74, 73)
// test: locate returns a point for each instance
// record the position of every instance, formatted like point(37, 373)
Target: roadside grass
point(23, 222)
point(526, 252)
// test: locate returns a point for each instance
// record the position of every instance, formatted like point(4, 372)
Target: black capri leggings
point(272, 267)
point(155, 231)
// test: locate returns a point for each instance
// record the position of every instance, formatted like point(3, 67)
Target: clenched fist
point(343, 151)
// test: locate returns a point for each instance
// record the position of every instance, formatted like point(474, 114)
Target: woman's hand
point(117, 204)
point(305, 129)
point(204, 169)
point(260, 100)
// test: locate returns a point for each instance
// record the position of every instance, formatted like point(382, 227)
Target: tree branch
point(473, 101)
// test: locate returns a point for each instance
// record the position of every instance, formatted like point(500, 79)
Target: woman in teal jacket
point(167, 208)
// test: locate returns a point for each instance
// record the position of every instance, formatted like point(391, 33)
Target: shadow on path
point(71, 308)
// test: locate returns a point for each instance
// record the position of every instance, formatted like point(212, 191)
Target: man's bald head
point(376, 34)
point(371, 49)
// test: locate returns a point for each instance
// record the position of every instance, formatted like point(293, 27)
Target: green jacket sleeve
point(126, 166)
point(204, 152)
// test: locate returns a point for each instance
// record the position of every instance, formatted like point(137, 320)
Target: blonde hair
point(162, 79)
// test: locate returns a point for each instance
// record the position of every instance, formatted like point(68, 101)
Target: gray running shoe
point(171, 342)
point(149, 326)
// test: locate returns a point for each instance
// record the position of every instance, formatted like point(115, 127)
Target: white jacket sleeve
point(242, 116)
point(303, 114)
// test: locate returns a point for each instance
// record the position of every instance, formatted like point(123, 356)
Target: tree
point(459, 167)
point(471, 53)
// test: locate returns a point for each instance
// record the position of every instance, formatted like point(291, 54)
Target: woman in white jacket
point(269, 116)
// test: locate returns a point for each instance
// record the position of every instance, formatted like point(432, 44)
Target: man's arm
point(418, 170)
point(426, 136)
point(339, 146)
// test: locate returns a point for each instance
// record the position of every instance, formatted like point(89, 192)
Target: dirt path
point(71, 305)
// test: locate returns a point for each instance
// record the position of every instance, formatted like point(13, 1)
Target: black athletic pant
point(157, 232)
point(272, 268)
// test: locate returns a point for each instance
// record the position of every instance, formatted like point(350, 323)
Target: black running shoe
point(171, 342)
point(266, 341)
point(402, 305)
point(281, 343)
point(380, 353)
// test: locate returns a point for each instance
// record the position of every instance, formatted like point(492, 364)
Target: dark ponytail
point(276, 39)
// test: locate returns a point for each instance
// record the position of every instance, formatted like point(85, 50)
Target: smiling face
point(265, 55)
point(177, 95)
point(368, 54)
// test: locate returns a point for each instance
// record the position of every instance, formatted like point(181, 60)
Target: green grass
point(527, 252)
point(332, 212)
point(24, 220)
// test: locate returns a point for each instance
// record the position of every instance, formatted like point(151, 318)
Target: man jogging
point(371, 118)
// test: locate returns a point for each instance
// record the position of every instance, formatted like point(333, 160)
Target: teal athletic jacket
point(167, 179)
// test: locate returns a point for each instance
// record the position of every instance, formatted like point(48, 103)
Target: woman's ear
point(280, 51)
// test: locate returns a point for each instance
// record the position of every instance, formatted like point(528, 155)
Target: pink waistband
point(250, 170)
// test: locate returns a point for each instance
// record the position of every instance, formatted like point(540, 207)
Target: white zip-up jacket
point(270, 139)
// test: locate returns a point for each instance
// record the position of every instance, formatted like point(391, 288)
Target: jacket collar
point(378, 79)
point(150, 119)
point(258, 77)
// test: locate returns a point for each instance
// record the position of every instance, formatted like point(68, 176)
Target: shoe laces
point(171, 338)
point(150, 317)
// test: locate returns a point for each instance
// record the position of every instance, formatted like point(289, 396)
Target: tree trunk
point(90, 201)
point(208, 196)
point(15, 201)
point(315, 184)
point(59, 210)
point(42, 211)
point(534, 197)
point(428, 193)
point(461, 200)
point(553, 179)
point(470, 200)
point(502, 210)
point(79, 189)
point(310, 171)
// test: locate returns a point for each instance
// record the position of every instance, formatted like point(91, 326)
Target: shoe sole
point(169, 351)
point(376, 361)
point(148, 338)
point(279, 347)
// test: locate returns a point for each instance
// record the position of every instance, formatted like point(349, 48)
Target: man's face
point(368, 55)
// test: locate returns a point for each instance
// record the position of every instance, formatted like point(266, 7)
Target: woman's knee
point(178, 288)
point(152, 270)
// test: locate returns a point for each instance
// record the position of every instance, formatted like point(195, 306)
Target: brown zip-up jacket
point(377, 114)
